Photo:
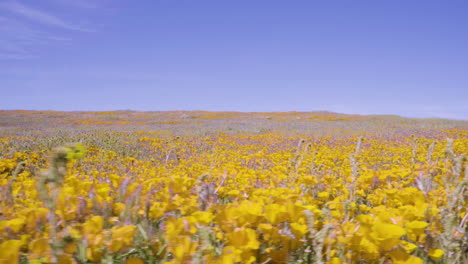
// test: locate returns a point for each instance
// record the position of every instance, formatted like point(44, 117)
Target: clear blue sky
point(367, 57)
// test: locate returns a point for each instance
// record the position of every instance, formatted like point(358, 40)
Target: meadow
point(227, 187)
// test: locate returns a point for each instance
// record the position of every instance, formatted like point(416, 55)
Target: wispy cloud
point(25, 29)
point(19, 40)
point(116, 74)
point(16, 56)
point(39, 16)
point(91, 4)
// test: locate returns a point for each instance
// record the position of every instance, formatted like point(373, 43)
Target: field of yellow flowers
point(204, 187)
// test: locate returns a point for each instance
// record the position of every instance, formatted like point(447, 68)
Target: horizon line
point(234, 111)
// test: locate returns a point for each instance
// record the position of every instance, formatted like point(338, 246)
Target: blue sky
point(367, 57)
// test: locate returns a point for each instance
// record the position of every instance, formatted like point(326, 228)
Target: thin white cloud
point(90, 4)
point(25, 29)
point(87, 73)
point(40, 16)
point(16, 56)
point(20, 40)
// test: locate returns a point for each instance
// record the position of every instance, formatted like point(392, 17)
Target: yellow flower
point(66, 259)
point(249, 212)
point(408, 247)
point(122, 237)
point(39, 248)
point(35, 216)
point(252, 205)
point(25, 240)
point(276, 213)
point(9, 251)
point(94, 254)
point(76, 151)
point(415, 229)
point(244, 238)
point(323, 195)
point(299, 230)
point(401, 257)
point(134, 261)
point(279, 255)
point(156, 211)
point(368, 249)
point(203, 217)
point(183, 249)
point(15, 224)
point(386, 235)
point(118, 208)
point(436, 254)
point(230, 256)
point(265, 227)
point(334, 260)
point(70, 248)
point(93, 225)
point(180, 226)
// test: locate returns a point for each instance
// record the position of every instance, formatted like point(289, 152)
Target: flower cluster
point(241, 198)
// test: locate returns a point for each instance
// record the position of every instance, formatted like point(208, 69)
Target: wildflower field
point(227, 187)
